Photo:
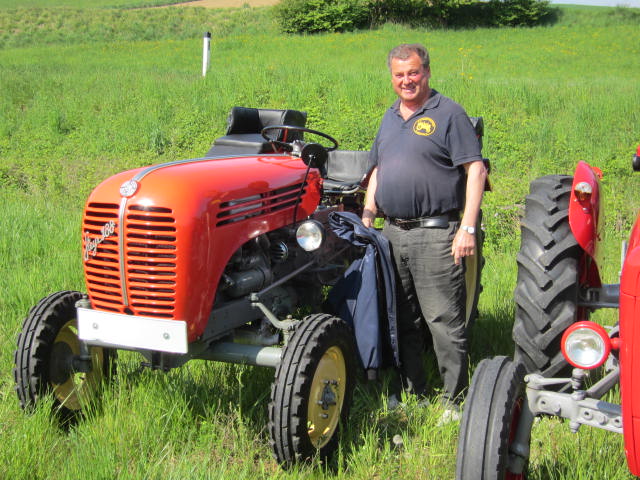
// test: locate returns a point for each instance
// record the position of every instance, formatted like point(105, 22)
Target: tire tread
point(547, 286)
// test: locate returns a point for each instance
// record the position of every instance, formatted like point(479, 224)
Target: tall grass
point(30, 4)
point(22, 27)
point(84, 106)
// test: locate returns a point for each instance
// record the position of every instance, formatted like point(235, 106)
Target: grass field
point(90, 4)
point(98, 90)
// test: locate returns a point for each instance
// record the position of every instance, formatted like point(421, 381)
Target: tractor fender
point(630, 357)
point(584, 216)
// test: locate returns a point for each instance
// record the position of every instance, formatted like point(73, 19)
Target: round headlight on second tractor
point(310, 235)
point(586, 345)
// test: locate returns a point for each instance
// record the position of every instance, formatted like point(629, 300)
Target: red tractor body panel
point(154, 253)
point(629, 353)
point(584, 219)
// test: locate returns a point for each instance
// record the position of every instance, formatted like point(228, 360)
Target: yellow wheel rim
point(75, 389)
point(326, 397)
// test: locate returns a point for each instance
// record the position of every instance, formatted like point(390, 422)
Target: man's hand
point(370, 210)
point(464, 245)
point(368, 217)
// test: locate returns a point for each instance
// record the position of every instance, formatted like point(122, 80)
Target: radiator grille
point(150, 262)
point(102, 270)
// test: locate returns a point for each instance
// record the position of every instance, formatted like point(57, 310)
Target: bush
point(499, 13)
point(313, 16)
point(407, 12)
point(518, 13)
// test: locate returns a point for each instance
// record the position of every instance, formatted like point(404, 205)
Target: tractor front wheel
point(489, 421)
point(312, 391)
point(47, 355)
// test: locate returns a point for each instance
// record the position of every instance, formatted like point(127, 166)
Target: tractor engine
point(275, 255)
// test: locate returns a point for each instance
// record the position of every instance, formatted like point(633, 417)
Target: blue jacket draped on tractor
point(366, 294)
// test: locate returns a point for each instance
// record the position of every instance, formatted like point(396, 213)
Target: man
point(428, 180)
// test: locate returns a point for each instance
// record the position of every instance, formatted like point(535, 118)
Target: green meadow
point(95, 87)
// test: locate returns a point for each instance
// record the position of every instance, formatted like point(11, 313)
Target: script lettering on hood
point(91, 244)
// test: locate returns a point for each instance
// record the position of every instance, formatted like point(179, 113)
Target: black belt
point(439, 221)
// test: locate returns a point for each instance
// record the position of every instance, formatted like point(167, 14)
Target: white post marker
point(206, 46)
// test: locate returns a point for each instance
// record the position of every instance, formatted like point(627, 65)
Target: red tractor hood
point(156, 240)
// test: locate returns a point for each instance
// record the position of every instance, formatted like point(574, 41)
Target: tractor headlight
point(310, 235)
point(586, 345)
point(583, 191)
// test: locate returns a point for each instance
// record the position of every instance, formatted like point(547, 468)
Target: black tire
point(43, 359)
point(547, 288)
point(489, 420)
point(315, 379)
point(473, 277)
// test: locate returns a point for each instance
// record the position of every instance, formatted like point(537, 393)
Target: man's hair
point(405, 50)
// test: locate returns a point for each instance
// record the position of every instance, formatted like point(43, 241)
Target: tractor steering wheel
point(288, 145)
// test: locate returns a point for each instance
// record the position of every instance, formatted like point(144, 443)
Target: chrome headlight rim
point(310, 235)
point(586, 345)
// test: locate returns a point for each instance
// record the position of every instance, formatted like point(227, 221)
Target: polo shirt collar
point(432, 102)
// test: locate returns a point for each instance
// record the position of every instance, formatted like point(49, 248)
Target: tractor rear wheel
point(312, 391)
point(489, 421)
point(47, 348)
point(547, 288)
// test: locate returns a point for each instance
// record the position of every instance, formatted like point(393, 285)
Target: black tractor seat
point(244, 125)
point(345, 170)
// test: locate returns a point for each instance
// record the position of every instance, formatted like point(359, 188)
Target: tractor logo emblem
point(91, 244)
point(424, 126)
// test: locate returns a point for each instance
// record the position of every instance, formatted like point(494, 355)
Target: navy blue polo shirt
point(420, 161)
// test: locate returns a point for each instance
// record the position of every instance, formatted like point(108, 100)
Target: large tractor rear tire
point(489, 421)
point(547, 288)
point(312, 391)
point(44, 359)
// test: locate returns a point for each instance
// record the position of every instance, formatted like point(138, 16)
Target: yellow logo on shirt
point(424, 126)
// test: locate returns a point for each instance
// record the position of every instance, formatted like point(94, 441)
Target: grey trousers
point(431, 289)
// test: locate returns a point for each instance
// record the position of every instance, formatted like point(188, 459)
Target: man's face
point(410, 80)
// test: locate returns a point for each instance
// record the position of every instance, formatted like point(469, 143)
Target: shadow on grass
point(491, 336)
point(214, 388)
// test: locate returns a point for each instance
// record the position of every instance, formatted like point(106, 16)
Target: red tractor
point(558, 285)
point(215, 258)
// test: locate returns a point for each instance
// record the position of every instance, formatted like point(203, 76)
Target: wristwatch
point(469, 230)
